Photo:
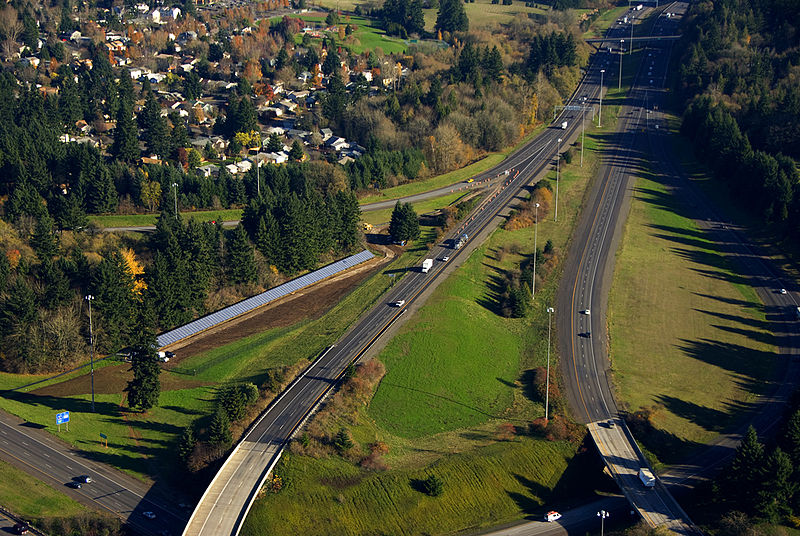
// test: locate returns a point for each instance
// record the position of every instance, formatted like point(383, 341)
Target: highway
point(225, 503)
point(45, 457)
point(583, 294)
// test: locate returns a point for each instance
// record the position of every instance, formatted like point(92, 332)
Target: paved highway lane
point(46, 458)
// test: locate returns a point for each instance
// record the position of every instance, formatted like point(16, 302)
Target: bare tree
point(10, 25)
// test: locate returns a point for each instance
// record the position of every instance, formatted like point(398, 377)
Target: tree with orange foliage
point(134, 268)
point(252, 71)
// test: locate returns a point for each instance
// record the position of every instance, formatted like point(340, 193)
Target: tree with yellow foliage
point(135, 269)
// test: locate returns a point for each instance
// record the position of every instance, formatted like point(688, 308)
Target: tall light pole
point(175, 191)
point(621, 43)
point(89, 299)
point(535, 236)
point(558, 169)
point(550, 312)
point(631, 47)
point(600, 113)
point(583, 128)
point(602, 514)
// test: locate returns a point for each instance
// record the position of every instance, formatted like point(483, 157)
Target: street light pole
point(621, 43)
point(535, 236)
point(602, 514)
point(558, 169)
point(550, 312)
point(583, 128)
point(175, 191)
point(89, 299)
point(600, 113)
point(631, 47)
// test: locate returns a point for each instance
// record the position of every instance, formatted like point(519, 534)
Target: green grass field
point(495, 484)
point(377, 217)
point(453, 177)
point(713, 351)
point(605, 20)
point(368, 35)
point(38, 500)
point(136, 220)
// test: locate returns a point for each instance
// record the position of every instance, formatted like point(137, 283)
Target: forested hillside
point(738, 75)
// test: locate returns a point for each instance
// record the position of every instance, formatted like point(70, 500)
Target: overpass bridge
point(623, 459)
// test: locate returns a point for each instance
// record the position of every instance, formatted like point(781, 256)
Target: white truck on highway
point(647, 478)
point(426, 265)
point(564, 125)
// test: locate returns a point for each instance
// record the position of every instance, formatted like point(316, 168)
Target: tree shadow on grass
point(707, 418)
point(747, 364)
point(491, 299)
point(185, 411)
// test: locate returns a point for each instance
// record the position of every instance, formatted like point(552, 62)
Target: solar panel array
point(244, 306)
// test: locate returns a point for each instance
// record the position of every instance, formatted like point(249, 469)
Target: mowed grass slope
point(688, 335)
point(491, 485)
point(451, 366)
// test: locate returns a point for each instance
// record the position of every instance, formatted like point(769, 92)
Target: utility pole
point(175, 191)
point(600, 113)
point(535, 236)
point(550, 312)
point(583, 127)
point(558, 168)
point(89, 299)
point(630, 51)
point(621, 43)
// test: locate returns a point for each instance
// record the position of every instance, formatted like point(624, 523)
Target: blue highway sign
point(62, 418)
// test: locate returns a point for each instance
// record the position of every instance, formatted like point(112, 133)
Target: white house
point(244, 166)
point(277, 158)
point(232, 169)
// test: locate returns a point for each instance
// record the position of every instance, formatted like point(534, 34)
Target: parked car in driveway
point(552, 516)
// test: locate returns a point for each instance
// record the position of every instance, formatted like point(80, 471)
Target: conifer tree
point(145, 387)
point(240, 262)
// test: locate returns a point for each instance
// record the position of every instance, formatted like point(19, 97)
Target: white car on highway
point(552, 516)
point(399, 303)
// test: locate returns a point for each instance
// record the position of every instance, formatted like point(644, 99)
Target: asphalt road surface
point(583, 295)
point(43, 456)
point(226, 502)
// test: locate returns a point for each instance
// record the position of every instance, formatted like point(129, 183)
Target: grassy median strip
point(689, 337)
point(38, 500)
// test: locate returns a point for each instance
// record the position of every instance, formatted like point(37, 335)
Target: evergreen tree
point(740, 483)
point(452, 17)
point(791, 437)
point(296, 153)
point(126, 136)
point(231, 399)
point(44, 240)
point(5, 270)
point(342, 441)
point(19, 306)
point(404, 224)
point(112, 287)
point(145, 387)
point(268, 238)
point(186, 443)
point(349, 214)
point(219, 431)
point(101, 192)
point(240, 262)
point(56, 285)
point(777, 487)
point(274, 143)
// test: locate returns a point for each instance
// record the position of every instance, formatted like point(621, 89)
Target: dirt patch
point(111, 379)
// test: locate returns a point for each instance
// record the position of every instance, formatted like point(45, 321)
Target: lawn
point(606, 19)
point(446, 179)
point(38, 500)
point(137, 220)
point(377, 217)
point(495, 484)
point(368, 35)
point(714, 351)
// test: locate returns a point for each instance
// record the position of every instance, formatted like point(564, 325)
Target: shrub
point(433, 486)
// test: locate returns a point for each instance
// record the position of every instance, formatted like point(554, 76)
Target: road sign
point(62, 418)
point(104, 436)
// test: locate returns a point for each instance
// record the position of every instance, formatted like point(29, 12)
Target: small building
point(208, 170)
